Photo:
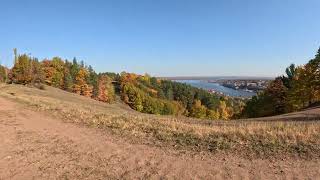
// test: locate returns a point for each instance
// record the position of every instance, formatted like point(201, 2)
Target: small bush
point(42, 87)
point(39, 86)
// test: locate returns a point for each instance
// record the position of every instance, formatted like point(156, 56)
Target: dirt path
point(35, 146)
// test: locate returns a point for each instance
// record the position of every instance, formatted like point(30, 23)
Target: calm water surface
point(217, 87)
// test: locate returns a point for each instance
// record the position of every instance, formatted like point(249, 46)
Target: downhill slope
point(309, 114)
point(37, 142)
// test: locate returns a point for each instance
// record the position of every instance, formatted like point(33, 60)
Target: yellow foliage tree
point(81, 87)
point(223, 111)
point(213, 114)
point(198, 110)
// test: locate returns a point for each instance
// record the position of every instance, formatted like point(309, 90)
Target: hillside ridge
point(38, 143)
point(289, 135)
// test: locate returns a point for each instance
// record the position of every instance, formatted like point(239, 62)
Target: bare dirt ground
point(34, 145)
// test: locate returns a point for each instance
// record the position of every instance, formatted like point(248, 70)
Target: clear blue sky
point(165, 37)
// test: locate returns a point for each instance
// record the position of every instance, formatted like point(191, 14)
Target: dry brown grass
point(248, 138)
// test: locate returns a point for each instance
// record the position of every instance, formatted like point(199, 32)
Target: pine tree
point(3, 74)
point(93, 81)
point(74, 69)
point(15, 52)
point(37, 71)
point(67, 80)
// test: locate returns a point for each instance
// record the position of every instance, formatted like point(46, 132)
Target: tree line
point(298, 89)
point(70, 76)
point(142, 93)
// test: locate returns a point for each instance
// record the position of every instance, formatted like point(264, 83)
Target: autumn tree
point(278, 92)
point(198, 110)
point(212, 114)
point(223, 111)
point(54, 72)
point(81, 87)
point(272, 101)
point(22, 71)
point(105, 89)
point(132, 96)
point(3, 74)
point(58, 66)
point(312, 70)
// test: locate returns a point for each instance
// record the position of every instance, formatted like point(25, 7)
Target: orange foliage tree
point(53, 72)
point(105, 89)
point(81, 87)
point(22, 71)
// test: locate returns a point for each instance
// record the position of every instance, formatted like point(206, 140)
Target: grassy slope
point(266, 137)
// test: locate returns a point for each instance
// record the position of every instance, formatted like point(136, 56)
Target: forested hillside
point(151, 95)
point(298, 89)
point(70, 76)
point(142, 93)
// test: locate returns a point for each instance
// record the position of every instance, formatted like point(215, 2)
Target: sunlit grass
point(247, 138)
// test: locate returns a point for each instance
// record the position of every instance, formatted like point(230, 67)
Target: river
point(218, 88)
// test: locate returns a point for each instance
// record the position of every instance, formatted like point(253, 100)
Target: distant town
point(235, 86)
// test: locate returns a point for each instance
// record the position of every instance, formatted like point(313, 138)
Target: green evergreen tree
point(67, 80)
point(3, 74)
